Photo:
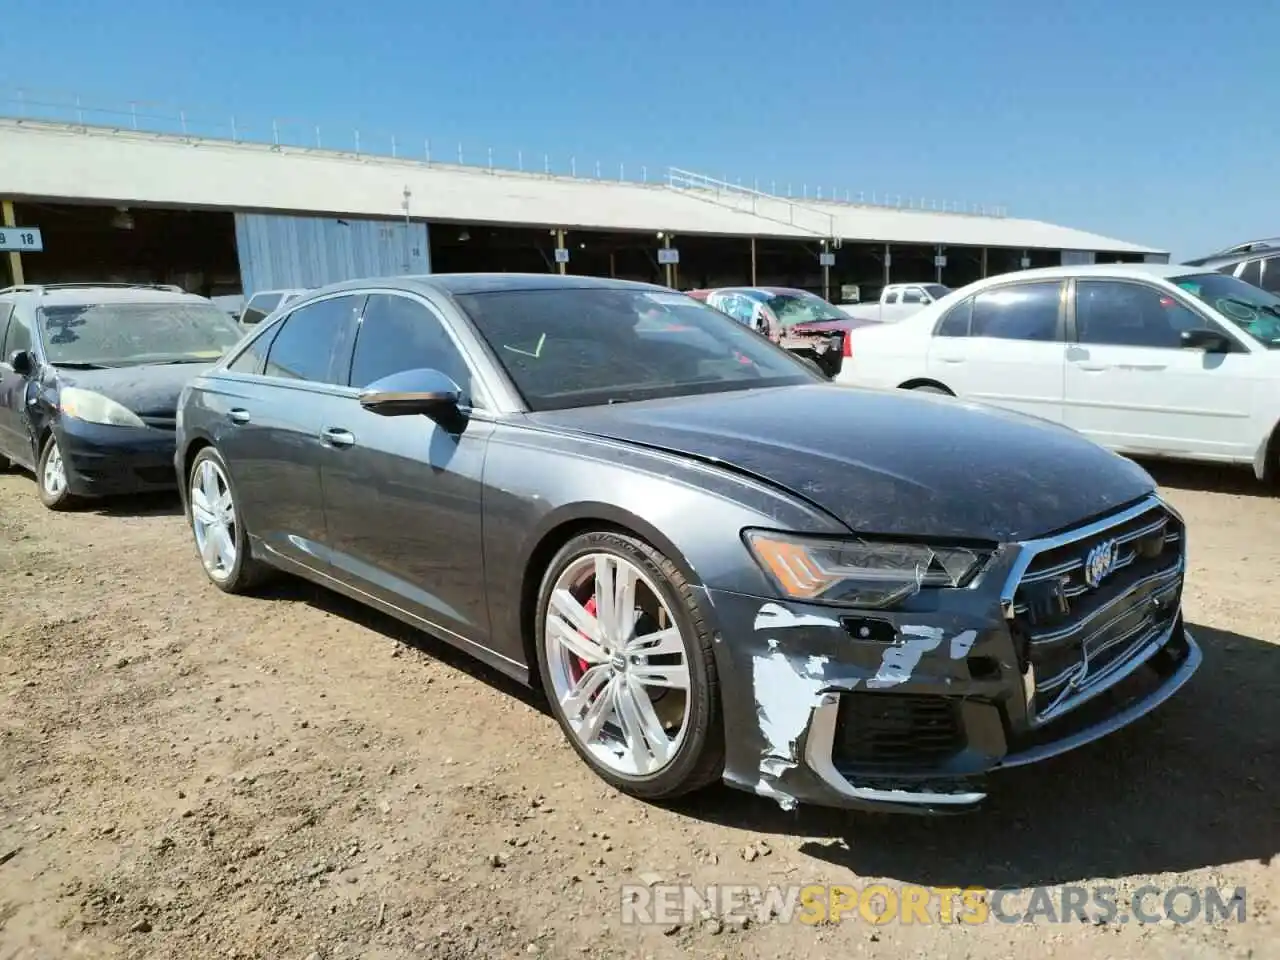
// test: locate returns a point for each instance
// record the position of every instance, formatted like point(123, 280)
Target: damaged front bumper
point(910, 710)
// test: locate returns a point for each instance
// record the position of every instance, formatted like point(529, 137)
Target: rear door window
point(1023, 311)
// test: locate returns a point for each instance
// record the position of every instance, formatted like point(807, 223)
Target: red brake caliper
point(581, 664)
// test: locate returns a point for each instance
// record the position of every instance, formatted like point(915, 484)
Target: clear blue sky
point(1149, 120)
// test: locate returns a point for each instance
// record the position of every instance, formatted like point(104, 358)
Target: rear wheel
point(626, 660)
point(222, 542)
point(51, 477)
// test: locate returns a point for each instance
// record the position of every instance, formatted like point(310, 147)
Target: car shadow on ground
point(297, 590)
point(1209, 478)
point(1192, 785)
point(137, 505)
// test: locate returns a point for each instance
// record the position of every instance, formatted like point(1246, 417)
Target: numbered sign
point(827, 259)
point(21, 239)
point(668, 255)
point(940, 261)
point(562, 255)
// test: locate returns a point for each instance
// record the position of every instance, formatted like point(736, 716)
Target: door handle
point(337, 437)
point(952, 359)
point(1091, 367)
point(238, 415)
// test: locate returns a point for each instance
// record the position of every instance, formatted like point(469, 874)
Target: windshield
point(581, 347)
point(936, 290)
point(793, 308)
point(1250, 308)
point(123, 334)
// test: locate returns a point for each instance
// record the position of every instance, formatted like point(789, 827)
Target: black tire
point(699, 761)
point(63, 499)
point(247, 573)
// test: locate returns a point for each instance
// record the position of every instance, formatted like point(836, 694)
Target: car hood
point(148, 390)
point(887, 462)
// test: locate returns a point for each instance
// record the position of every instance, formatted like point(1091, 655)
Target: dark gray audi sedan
point(715, 564)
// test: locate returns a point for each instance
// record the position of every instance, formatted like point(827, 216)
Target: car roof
point(1220, 260)
point(88, 295)
point(1130, 270)
point(461, 284)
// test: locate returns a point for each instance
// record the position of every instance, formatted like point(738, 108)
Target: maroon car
point(796, 320)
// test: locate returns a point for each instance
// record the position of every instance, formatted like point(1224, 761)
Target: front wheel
point(626, 659)
point(221, 539)
point(51, 476)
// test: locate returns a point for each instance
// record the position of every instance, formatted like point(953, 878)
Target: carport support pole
point(15, 258)
point(560, 246)
point(666, 243)
point(753, 261)
point(984, 263)
point(887, 261)
point(826, 276)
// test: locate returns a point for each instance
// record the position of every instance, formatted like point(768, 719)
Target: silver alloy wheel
point(213, 520)
point(617, 664)
point(54, 477)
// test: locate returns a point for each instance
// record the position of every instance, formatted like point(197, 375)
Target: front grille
point(1077, 630)
point(886, 732)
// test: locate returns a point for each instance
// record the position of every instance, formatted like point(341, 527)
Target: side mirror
point(1206, 339)
point(22, 363)
point(412, 393)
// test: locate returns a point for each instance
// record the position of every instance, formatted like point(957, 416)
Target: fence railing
point(159, 118)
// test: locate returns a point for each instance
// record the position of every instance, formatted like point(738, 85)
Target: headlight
point(95, 408)
point(859, 573)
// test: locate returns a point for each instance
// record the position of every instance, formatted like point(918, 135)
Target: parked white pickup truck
point(897, 302)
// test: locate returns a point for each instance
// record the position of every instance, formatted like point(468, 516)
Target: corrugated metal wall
point(282, 251)
point(1078, 258)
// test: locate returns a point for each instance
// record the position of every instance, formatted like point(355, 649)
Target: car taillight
point(848, 345)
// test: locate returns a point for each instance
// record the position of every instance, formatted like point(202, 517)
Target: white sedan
point(1146, 359)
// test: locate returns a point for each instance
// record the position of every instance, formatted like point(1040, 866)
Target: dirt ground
point(185, 774)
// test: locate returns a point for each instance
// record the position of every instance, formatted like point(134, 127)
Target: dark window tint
point(259, 308)
point(891, 296)
point(1270, 279)
point(913, 295)
point(400, 334)
point(1131, 315)
point(1252, 272)
point(1025, 311)
point(18, 336)
point(5, 310)
point(307, 344)
point(956, 322)
point(254, 357)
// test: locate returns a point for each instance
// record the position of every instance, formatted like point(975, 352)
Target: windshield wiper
point(79, 364)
